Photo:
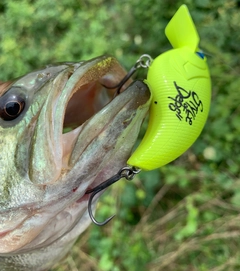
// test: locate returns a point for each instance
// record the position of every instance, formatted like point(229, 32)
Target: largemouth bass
point(61, 133)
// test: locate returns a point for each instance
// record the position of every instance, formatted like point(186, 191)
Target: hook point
point(91, 212)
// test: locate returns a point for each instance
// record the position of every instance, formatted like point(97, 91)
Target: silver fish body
point(45, 172)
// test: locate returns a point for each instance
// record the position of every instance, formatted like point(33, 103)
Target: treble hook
point(125, 172)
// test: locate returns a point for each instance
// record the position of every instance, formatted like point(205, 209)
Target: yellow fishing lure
point(180, 85)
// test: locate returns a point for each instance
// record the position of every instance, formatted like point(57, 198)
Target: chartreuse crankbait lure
point(180, 86)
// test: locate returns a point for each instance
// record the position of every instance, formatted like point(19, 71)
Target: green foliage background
point(184, 216)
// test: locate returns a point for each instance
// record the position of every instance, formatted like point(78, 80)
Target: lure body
point(180, 85)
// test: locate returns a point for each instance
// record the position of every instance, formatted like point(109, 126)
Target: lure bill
point(180, 85)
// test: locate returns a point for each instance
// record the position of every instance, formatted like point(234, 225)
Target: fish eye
point(11, 107)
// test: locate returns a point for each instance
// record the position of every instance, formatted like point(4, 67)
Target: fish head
point(61, 133)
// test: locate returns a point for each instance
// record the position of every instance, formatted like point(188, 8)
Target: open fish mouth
point(76, 135)
point(93, 89)
point(106, 123)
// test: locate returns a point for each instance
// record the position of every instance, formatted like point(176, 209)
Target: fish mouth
point(94, 102)
point(95, 89)
point(93, 105)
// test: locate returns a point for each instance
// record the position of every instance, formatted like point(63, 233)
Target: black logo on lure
point(186, 104)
